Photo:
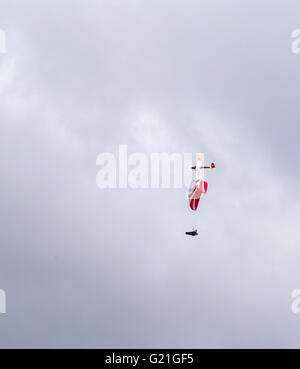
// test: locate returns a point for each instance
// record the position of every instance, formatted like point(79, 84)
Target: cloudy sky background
point(89, 268)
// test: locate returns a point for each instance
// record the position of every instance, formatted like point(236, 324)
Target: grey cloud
point(88, 268)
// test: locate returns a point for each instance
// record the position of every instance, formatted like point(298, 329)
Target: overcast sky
point(90, 268)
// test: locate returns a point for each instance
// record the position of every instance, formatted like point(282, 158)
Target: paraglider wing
point(193, 187)
point(196, 191)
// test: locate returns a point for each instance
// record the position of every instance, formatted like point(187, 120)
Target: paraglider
point(197, 188)
point(193, 233)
